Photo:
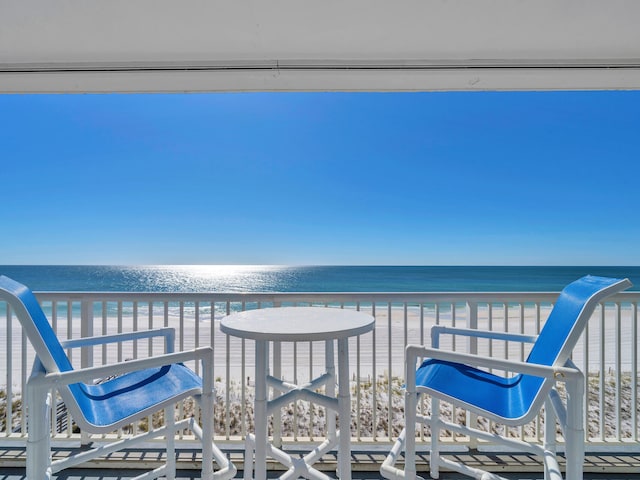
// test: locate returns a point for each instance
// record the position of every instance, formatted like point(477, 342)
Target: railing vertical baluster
point(406, 323)
point(453, 324)
point(70, 327)
point(23, 379)
point(454, 409)
point(422, 401)
point(227, 412)
point(54, 325)
point(490, 326)
point(310, 434)
point(86, 330)
point(243, 390)
point(212, 336)
point(521, 312)
point(196, 340)
point(181, 325)
point(86, 353)
point(634, 372)
point(389, 369)
point(506, 329)
point(196, 328)
point(472, 322)
point(437, 322)
point(9, 376)
point(150, 327)
point(165, 314)
point(602, 375)
point(522, 345)
point(105, 359)
point(119, 314)
point(374, 393)
point(618, 347)
point(538, 323)
point(135, 327)
point(585, 369)
point(54, 315)
point(357, 383)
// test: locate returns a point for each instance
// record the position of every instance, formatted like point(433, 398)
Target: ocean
point(272, 278)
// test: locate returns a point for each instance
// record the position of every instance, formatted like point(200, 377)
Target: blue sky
point(475, 178)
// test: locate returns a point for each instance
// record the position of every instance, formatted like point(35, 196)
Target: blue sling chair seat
point(136, 389)
point(509, 400)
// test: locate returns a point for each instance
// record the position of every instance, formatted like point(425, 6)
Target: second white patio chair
point(137, 389)
point(510, 400)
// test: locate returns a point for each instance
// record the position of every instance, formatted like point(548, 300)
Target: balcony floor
point(112, 474)
point(613, 466)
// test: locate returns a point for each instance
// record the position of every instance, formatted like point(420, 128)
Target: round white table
point(296, 324)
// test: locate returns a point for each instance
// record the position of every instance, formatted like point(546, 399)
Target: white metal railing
point(608, 350)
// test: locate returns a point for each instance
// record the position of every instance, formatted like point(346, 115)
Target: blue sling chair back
point(137, 388)
point(510, 400)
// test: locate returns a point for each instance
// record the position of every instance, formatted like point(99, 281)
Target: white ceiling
point(279, 45)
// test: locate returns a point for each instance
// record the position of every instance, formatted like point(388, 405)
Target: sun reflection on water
point(215, 278)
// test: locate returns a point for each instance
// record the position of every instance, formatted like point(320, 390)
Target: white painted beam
point(274, 45)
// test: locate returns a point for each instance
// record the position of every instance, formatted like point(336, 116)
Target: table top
point(291, 324)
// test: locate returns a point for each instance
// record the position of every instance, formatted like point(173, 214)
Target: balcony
point(608, 351)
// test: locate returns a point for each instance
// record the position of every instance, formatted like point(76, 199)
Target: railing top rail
point(330, 297)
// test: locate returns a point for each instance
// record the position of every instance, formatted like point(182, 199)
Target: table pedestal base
point(258, 448)
point(297, 466)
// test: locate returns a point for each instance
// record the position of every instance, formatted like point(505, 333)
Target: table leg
point(330, 388)
point(260, 469)
point(277, 415)
point(344, 405)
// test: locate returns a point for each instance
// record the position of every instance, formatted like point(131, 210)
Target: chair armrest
point(413, 352)
point(168, 333)
point(205, 354)
point(437, 330)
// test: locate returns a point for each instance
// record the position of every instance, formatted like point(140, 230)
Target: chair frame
point(569, 413)
point(42, 385)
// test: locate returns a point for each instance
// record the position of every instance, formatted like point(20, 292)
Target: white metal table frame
point(295, 324)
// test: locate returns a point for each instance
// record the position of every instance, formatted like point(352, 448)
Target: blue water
point(211, 278)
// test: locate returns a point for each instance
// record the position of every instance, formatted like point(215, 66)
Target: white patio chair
point(510, 400)
point(136, 389)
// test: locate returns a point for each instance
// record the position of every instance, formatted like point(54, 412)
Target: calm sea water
point(262, 278)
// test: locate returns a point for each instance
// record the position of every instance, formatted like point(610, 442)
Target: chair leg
point(434, 458)
point(549, 433)
point(410, 407)
point(249, 453)
point(169, 421)
point(575, 428)
point(39, 437)
point(207, 435)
